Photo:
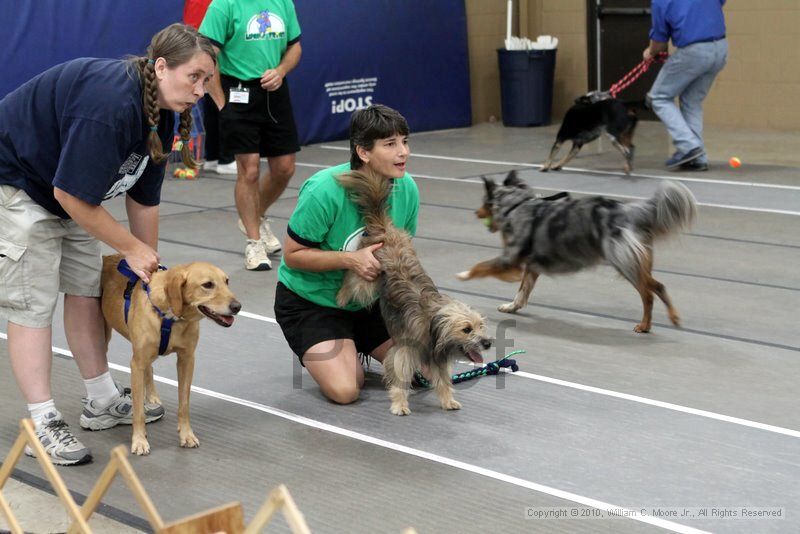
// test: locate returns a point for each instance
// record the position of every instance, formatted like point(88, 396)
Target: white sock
point(101, 389)
point(38, 410)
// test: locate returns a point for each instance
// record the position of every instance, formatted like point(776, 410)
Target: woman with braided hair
point(78, 134)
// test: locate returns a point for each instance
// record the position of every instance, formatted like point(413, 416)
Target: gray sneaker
point(61, 446)
point(119, 412)
point(271, 243)
point(255, 256)
point(270, 240)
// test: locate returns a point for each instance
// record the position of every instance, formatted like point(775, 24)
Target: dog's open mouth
point(222, 320)
point(474, 356)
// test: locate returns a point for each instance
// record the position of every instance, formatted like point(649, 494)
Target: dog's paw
point(555, 168)
point(508, 308)
point(463, 275)
point(676, 319)
point(544, 169)
point(189, 440)
point(400, 409)
point(140, 446)
point(451, 404)
point(641, 328)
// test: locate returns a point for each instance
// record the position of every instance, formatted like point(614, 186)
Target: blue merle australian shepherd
point(563, 235)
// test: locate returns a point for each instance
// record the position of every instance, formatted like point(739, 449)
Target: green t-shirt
point(325, 218)
point(252, 34)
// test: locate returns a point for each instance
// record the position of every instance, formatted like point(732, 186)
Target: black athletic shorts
point(305, 324)
point(265, 125)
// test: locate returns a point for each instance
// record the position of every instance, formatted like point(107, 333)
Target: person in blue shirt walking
point(80, 133)
point(697, 30)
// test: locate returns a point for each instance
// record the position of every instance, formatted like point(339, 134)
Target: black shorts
point(265, 125)
point(305, 324)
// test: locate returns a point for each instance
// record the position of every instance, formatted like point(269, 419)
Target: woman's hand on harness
point(364, 262)
point(143, 261)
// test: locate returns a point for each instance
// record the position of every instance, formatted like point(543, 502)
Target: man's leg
point(677, 73)
point(273, 184)
point(695, 93)
point(247, 204)
point(246, 193)
point(275, 180)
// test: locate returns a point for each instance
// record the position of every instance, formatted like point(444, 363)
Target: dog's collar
point(556, 196)
point(166, 322)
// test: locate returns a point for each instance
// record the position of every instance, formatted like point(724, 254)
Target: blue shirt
point(687, 21)
point(80, 126)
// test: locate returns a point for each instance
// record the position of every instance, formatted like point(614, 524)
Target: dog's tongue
point(475, 356)
point(226, 320)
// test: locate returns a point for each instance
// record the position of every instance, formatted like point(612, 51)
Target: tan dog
point(186, 293)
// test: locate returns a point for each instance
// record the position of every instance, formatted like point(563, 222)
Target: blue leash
point(166, 323)
point(491, 368)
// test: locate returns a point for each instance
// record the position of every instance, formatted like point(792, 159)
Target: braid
point(150, 97)
point(185, 129)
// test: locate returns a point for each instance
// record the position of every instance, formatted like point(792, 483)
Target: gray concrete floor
point(598, 418)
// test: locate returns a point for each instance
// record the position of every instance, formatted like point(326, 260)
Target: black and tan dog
point(184, 293)
point(587, 119)
point(428, 328)
point(569, 235)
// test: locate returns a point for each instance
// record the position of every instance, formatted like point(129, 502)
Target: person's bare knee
point(248, 168)
point(342, 393)
point(281, 169)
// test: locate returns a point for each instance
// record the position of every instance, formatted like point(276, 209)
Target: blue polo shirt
point(687, 21)
point(80, 126)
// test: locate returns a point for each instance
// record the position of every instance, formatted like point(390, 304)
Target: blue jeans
point(687, 75)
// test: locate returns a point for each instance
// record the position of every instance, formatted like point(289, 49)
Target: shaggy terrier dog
point(428, 328)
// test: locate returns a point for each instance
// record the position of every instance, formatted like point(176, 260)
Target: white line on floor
point(610, 393)
point(591, 171)
point(619, 395)
point(584, 192)
point(661, 404)
point(626, 396)
point(561, 494)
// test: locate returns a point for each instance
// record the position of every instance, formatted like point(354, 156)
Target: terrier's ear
point(490, 185)
point(176, 280)
point(513, 180)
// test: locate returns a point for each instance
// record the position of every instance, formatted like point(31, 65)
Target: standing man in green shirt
point(258, 44)
point(323, 242)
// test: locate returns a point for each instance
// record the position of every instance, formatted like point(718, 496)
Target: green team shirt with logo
point(253, 34)
point(326, 219)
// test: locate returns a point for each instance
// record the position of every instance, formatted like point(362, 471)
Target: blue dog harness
point(166, 322)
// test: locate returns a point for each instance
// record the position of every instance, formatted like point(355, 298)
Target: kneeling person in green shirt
point(322, 243)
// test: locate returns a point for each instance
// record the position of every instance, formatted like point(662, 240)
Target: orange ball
point(735, 162)
point(191, 174)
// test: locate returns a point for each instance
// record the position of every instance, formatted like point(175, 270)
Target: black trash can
point(526, 86)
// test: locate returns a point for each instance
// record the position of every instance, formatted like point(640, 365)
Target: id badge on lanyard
point(239, 95)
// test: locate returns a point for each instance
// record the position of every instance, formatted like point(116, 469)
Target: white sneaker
point(271, 243)
point(118, 412)
point(59, 443)
point(255, 256)
point(209, 166)
point(226, 168)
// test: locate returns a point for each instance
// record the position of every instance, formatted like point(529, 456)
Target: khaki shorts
point(40, 255)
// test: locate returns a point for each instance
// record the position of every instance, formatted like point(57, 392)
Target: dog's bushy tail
point(370, 192)
point(671, 209)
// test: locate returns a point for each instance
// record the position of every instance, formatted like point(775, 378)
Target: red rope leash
point(634, 74)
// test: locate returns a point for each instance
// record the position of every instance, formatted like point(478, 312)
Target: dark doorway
point(618, 32)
